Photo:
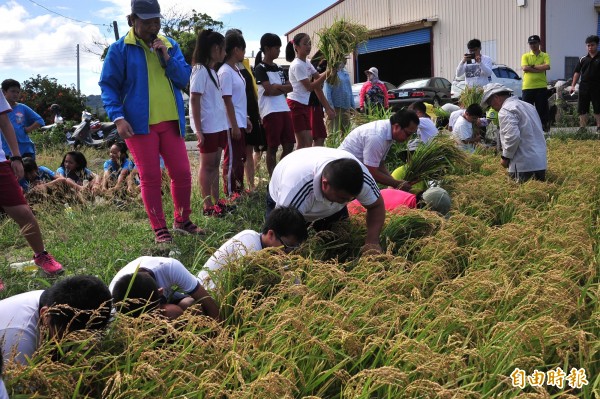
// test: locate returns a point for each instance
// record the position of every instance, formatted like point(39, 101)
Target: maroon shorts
point(213, 141)
point(300, 115)
point(278, 129)
point(12, 194)
point(317, 121)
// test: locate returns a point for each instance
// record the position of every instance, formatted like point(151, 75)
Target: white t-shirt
point(273, 74)
point(370, 142)
point(454, 117)
point(463, 130)
point(425, 133)
point(296, 182)
point(4, 108)
point(166, 271)
point(233, 84)
point(3, 393)
point(300, 70)
point(19, 317)
point(213, 118)
point(239, 245)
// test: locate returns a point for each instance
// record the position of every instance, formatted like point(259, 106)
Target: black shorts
point(587, 95)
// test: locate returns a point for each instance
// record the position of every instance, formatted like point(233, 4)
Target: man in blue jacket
point(141, 82)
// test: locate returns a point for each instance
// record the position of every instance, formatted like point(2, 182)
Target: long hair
point(267, 40)
point(204, 43)
point(290, 52)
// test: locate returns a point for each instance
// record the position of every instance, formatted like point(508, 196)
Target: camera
point(470, 56)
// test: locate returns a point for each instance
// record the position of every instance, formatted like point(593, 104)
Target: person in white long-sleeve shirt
point(476, 67)
point(521, 134)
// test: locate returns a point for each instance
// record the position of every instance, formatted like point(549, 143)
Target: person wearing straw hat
point(521, 133)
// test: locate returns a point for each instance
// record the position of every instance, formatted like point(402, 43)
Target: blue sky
point(34, 39)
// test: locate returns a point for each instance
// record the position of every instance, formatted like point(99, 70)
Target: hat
point(534, 39)
point(438, 200)
point(146, 9)
point(490, 89)
point(374, 71)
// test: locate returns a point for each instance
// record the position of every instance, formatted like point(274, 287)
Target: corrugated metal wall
point(498, 21)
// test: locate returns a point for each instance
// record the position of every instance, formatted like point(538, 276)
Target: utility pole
point(116, 29)
point(78, 90)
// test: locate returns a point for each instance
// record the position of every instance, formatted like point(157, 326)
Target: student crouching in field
point(146, 283)
point(74, 303)
point(284, 227)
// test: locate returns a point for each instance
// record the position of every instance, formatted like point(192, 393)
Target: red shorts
point(278, 129)
point(12, 194)
point(317, 121)
point(213, 141)
point(300, 115)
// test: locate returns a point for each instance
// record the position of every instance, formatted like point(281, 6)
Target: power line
point(64, 16)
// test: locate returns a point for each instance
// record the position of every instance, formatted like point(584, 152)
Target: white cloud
point(45, 44)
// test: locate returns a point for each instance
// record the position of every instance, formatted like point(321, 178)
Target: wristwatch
point(16, 158)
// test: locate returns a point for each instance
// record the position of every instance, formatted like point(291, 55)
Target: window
point(439, 84)
point(570, 64)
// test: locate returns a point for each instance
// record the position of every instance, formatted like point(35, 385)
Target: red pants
point(163, 139)
point(233, 164)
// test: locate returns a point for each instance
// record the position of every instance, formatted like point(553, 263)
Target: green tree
point(184, 28)
point(40, 93)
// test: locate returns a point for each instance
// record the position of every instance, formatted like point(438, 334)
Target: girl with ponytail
point(304, 79)
point(208, 117)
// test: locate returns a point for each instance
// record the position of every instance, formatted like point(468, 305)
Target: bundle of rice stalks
point(339, 40)
point(377, 113)
point(412, 224)
point(434, 159)
point(471, 95)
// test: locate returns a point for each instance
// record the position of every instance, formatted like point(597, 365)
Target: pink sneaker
point(48, 264)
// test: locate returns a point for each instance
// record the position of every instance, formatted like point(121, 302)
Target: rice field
point(479, 305)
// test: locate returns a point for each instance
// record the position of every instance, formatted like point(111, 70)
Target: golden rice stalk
point(339, 40)
point(434, 159)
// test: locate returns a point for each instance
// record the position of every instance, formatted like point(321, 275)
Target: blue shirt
point(115, 169)
point(340, 95)
point(77, 177)
point(21, 117)
point(44, 175)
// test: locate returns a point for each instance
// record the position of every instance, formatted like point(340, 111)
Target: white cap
point(374, 71)
point(491, 89)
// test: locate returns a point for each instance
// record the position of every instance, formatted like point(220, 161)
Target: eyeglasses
point(286, 248)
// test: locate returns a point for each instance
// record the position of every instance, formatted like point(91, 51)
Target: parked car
point(356, 91)
point(502, 74)
point(434, 90)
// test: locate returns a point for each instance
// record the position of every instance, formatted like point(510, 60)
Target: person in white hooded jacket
point(521, 134)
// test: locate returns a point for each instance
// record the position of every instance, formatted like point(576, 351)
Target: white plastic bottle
point(27, 266)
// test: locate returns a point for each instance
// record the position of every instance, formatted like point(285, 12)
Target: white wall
point(568, 24)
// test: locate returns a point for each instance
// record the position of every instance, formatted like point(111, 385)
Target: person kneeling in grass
point(371, 142)
point(284, 227)
point(74, 303)
point(146, 284)
point(435, 199)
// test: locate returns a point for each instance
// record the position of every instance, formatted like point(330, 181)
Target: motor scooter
point(105, 134)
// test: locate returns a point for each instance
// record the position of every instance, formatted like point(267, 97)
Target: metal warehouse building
point(421, 38)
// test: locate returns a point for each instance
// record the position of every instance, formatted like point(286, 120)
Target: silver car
point(502, 74)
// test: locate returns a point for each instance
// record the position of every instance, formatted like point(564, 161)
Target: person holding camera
point(476, 67)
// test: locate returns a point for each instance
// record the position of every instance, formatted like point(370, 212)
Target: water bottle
point(28, 266)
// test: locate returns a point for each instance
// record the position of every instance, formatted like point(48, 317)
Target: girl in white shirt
point(208, 117)
point(233, 87)
point(301, 72)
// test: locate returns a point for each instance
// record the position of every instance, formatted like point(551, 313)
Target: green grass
point(450, 310)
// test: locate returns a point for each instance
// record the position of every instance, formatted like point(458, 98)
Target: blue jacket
point(124, 81)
